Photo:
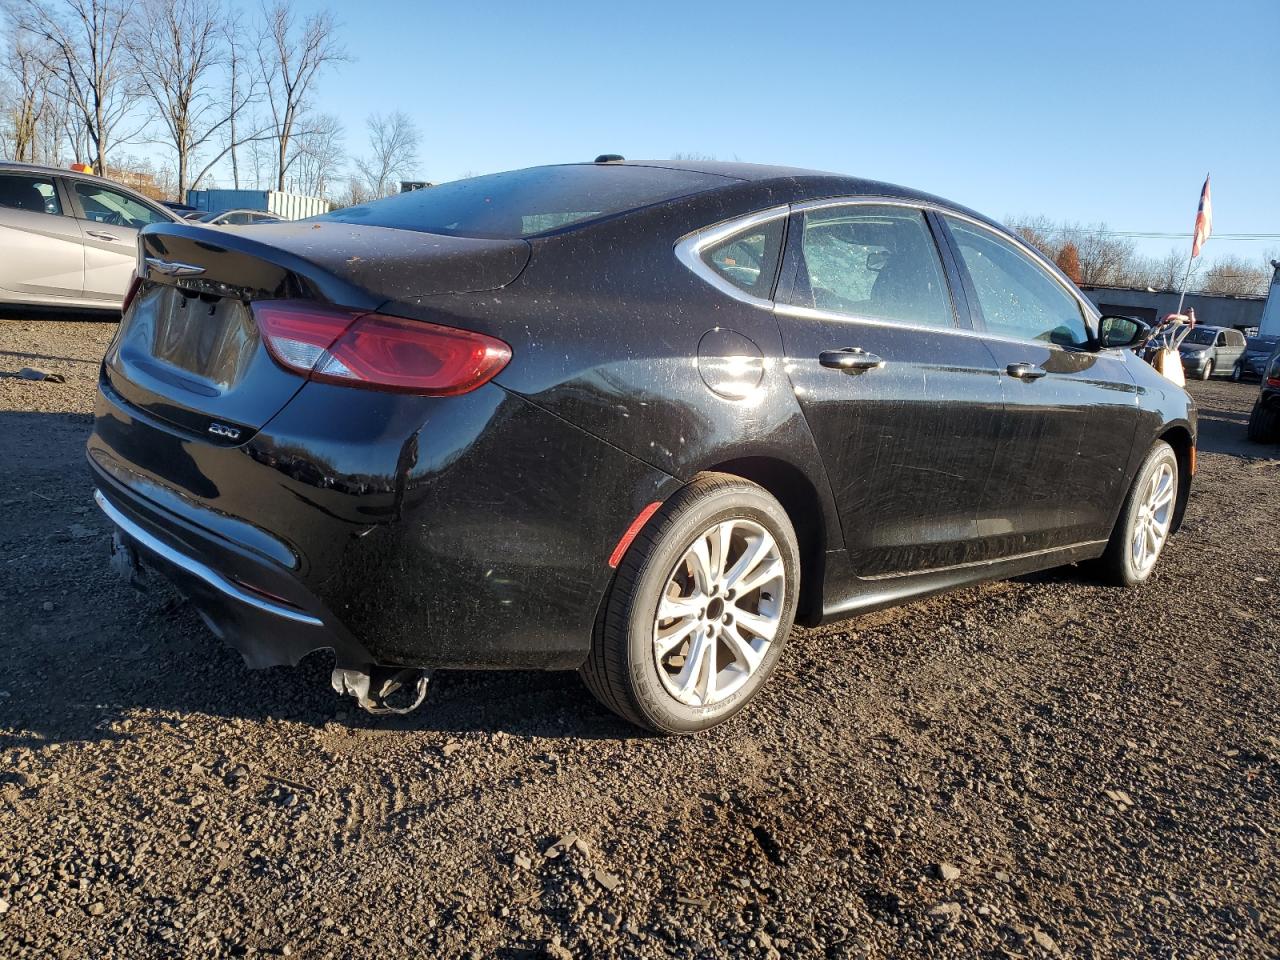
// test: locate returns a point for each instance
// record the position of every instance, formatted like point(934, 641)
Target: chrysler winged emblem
point(172, 268)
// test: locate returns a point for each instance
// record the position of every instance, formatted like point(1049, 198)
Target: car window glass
point(33, 194)
point(749, 260)
point(104, 205)
point(525, 203)
point(1203, 338)
point(874, 262)
point(1018, 298)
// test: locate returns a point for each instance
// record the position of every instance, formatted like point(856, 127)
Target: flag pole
point(1182, 295)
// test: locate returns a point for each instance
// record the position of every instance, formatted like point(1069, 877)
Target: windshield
point(1202, 337)
point(524, 203)
point(1262, 344)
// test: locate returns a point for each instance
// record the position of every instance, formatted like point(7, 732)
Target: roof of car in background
point(15, 165)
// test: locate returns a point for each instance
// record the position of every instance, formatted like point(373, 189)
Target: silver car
point(236, 218)
point(68, 239)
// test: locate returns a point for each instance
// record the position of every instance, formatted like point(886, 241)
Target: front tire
point(1207, 372)
point(1145, 521)
point(1264, 423)
point(699, 610)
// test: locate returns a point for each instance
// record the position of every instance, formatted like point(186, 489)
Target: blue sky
point(1097, 111)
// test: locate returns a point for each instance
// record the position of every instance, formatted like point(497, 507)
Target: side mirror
point(1122, 332)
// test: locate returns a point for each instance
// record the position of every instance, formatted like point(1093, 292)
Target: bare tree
point(88, 42)
point(393, 144)
point(176, 46)
point(1105, 260)
point(1235, 276)
point(320, 155)
point(289, 60)
point(27, 68)
point(1039, 231)
point(243, 89)
point(1167, 272)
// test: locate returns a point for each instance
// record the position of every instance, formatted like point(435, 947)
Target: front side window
point(1018, 298)
point(874, 262)
point(32, 194)
point(104, 205)
point(749, 260)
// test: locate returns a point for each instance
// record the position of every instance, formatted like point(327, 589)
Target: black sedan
point(1252, 365)
point(634, 419)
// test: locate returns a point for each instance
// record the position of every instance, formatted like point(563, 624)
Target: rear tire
point(1264, 423)
point(721, 557)
point(1148, 514)
point(1237, 373)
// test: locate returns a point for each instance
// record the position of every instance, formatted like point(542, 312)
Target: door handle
point(102, 236)
point(1025, 371)
point(850, 360)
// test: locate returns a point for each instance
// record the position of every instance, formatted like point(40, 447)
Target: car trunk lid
point(189, 350)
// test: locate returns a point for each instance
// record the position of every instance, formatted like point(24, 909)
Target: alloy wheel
point(1154, 518)
point(720, 609)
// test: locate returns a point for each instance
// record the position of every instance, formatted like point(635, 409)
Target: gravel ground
point(1031, 768)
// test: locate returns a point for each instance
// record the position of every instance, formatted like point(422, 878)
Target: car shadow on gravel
point(163, 665)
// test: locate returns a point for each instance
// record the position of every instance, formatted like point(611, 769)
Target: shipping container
point(291, 206)
point(1270, 325)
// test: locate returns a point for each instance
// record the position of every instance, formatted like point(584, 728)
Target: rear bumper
point(266, 630)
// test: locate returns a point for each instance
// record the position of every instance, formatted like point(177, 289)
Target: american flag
point(1204, 220)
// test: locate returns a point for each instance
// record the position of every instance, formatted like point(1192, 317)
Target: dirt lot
point(1031, 768)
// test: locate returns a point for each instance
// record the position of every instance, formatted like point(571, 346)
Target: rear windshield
point(524, 203)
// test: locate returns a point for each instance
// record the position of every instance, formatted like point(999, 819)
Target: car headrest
point(21, 195)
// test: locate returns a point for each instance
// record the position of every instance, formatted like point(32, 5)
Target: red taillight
point(377, 352)
point(135, 282)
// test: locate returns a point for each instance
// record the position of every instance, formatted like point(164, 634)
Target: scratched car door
point(902, 399)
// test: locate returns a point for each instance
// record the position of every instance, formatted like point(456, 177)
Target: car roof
point(805, 183)
point(15, 166)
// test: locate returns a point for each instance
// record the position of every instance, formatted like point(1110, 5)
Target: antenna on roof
point(610, 158)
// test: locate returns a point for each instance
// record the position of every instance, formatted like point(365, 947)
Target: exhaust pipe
point(376, 690)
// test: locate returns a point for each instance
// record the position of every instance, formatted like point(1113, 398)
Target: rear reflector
point(377, 352)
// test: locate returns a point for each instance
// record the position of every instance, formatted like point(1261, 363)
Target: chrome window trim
point(810, 313)
point(689, 251)
point(197, 569)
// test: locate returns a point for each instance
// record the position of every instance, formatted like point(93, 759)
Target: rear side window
point(875, 262)
point(524, 203)
point(32, 194)
point(749, 260)
point(1018, 298)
